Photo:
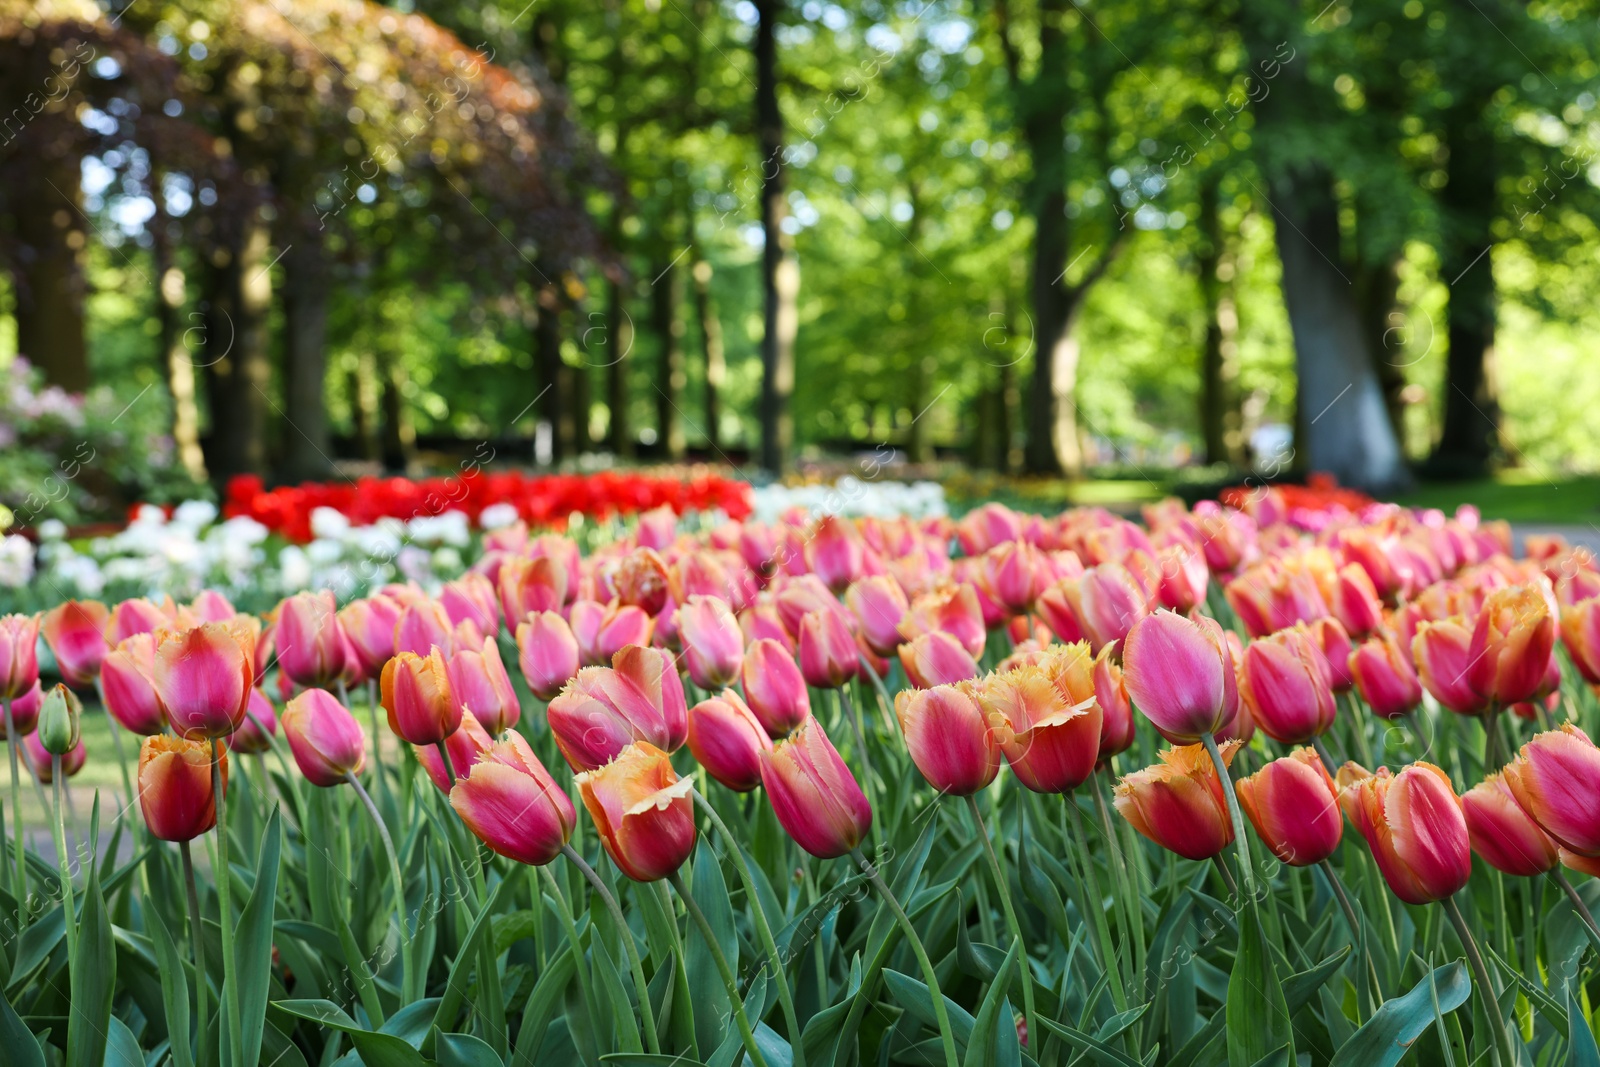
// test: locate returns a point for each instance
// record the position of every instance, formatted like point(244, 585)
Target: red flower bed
point(1320, 493)
point(542, 500)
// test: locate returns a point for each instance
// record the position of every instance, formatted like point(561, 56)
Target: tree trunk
point(174, 354)
point(619, 346)
point(49, 272)
point(236, 359)
point(711, 340)
point(1470, 437)
point(780, 274)
point(666, 300)
point(1219, 370)
point(305, 328)
point(399, 437)
point(1377, 292)
point(555, 408)
point(363, 389)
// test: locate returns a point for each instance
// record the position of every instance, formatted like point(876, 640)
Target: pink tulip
point(1011, 575)
point(1443, 651)
point(813, 793)
point(727, 740)
point(604, 709)
point(1117, 731)
point(19, 662)
point(949, 739)
point(547, 652)
point(828, 656)
point(1355, 602)
point(415, 691)
point(369, 625)
point(39, 759)
point(75, 632)
point(1107, 602)
point(713, 644)
point(775, 688)
point(127, 675)
point(1285, 684)
point(1332, 643)
point(531, 585)
point(324, 737)
point(480, 684)
point(421, 626)
point(312, 649)
point(1553, 778)
point(1294, 806)
point(602, 631)
point(471, 596)
point(1180, 675)
point(1505, 835)
point(135, 616)
point(203, 677)
point(879, 605)
point(211, 606)
point(510, 803)
point(467, 747)
point(834, 552)
point(936, 658)
point(762, 621)
point(1414, 825)
point(953, 609)
point(1384, 677)
point(260, 725)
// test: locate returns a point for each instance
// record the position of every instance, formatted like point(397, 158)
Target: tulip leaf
point(541, 1006)
point(1581, 1048)
point(1095, 1048)
point(983, 1047)
point(1399, 1021)
point(93, 980)
point(1257, 1014)
point(915, 998)
point(122, 1048)
point(1299, 987)
point(375, 1049)
point(463, 1050)
point(174, 987)
point(710, 892)
point(22, 1048)
point(467, 956)
point(649, 1059)
point(412, 1023)
point(254, 944)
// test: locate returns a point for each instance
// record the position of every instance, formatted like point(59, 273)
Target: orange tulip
point(1415, 827)
point(1046, 718)
point(175, 786)
point(1178, 803)
point(949, 738)
point(415, 691)
point(642, 810)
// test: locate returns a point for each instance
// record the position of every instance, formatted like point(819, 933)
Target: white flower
point(195, 514)
point(16, 561)
point(52, 530)
point(294, 569)
point(496, 516)
point(329, 523)
point(448, 528)
point(323, 552)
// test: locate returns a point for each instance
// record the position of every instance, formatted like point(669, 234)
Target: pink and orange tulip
point(415, 691)
point(203, 677)
point(1179, 803)
point(175, 786)
point(814, 795)
point(727, 740)
point(713, 644)
point(642, 811)
point(1284, 682)
point(1046, 719)
point(1554, 779)
point(75, 632)
point(1180, 674)
point(547, 652)
point(936, 658)
point(1384, 677)
point(1415, 827)
point(480, 684)
point(949, 738)
point(775, 688)
point(466, 747)
point(19, 660)
point(1294, 805)
point(127, 675)
point(510, 803)
point(1503, 834)
point(327, 742)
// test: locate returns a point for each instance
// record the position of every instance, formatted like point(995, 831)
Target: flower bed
point(1276, 784)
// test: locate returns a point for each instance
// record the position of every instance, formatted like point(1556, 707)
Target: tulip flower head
point(1511, 644)
point(75, 632)
point(642, 811)
point(1503, 834)
point(1415, 827)
point(936, 658)
point(1294, 805)
point(1179, 803)
point(879, 605)
point(134, 616)
point(422, 625)
point(604, 709)
point(327, 742)
point(24, 713)
point(203, 677)
point(127, 676)
point(953, 609)
point(480, 684)
point(471, 598)
point(510, 803)
point(547, 652)
point(466, 747)
point(1116, 711)
point(531, 585)
point(175, 786)
point(415, 691)
point(1285, 685)
point(312, 648)
point(949, 738)
point(828, 655)
point(260, 726)
point(727, 740)
point(1554, 780)
point(774, 687)
point(1046, 718)
point(1443, 653)
point(814, 795)
point(713, 644)
point(19, 661)
point(1384, 677)
point(370, 625)
point(1180, 674)
point(1580, 633)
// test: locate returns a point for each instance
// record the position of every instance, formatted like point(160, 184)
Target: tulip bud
point(480, 684)
point(813, 793)
point(59, 720)
point(1294, 806)
point(1046, 718)
point(1285, 684)
point(949, 738)
point(1384, 678)
point(828, 656)
point(879, 605)
point(467, 746)
point(127, 676)
point(642, 810)
point(312, 648)
point(75, 632)
point(1179, 803)
point(547, 652)
point(1502, 833)
point(1180, 674)
point(727, 740)
point(203, 677)
point(326, 740)
point(510, 803)
point(19, 662)
point(1553, 778)
point(1443, 651)
point(1413, 823)
point(713, 644)
point(415, 691)
point(775, 688)
point(175, 786)
point(260, 725)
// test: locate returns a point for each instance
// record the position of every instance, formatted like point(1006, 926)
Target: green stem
point(408, 984)
point(202, 1056)
point(852, 715)
point(1095, 903)
point(377, 742)
point(928, 974)
point(1321, 748)
point(1358, 725)
point(1246, 871)
point(709, 936)
point(1501, 1047)
point(641, 987)
point(769, 944)
point(230, 982)
point(571, 929)
point(1358, 931)
point(1578, 904)
point(20, 887)
point(1003, 887)
point(449, 768)
point(58, 828)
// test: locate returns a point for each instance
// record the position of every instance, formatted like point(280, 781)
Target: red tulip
point(75, 632)
point(203, 677)
point(547, 652)
point(467, 747)
point(1503, 833)
point(642, 810)
point(1180, 674)
point(813, 793)
point(175, 786)
point(1384, 677)
point(1553, 778)
point(326, 740)
point(1294, 806)
point(1178, 803)
point(713, 644)
point(1285, 684)
point(936, 658)
point(480, 684)
point(415, 691)
point(727, 740)
point(949, 739)
point(1046, 719)
point(510, 802)
point(1413, 823)
point(312, 649)
point(775, 688)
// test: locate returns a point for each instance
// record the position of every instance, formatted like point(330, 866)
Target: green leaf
point(649, 1059)
point(94, 980)
point(541, 1006)
point(1257, 1014)
point(1096, 1049)
point(455, 989)
point(1581, 1049)
point(412, 1023)
point(122, 1048)
point(1400, 1020)
point(463, 1050)
point(1300, 987)
point(983, 1047)
point(253, 948)
point(710, 891)
point(22, 1048)
point(375, 1049)
point(915, 998)
point(174, 989)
